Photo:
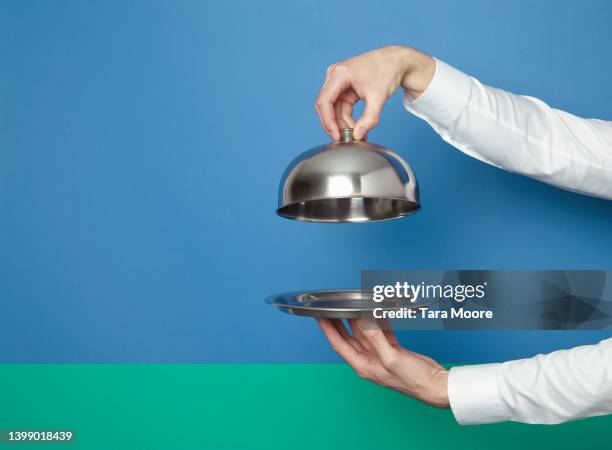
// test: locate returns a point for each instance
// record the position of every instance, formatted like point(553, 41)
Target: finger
point(349, 96)
point(344, 108)
point(342, 347)
point(331, 128)
point(328, 73)
point(327, 115)
point(346, 335)
point(385, 351)
point(330, 92)
point(339, 119)
point(344, 114)
point(361, 338)
point(321, 119)
point(385, 325)
point(370, 117)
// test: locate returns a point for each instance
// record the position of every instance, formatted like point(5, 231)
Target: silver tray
point(334, 304)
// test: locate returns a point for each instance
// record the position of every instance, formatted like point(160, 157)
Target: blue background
point(141, 144)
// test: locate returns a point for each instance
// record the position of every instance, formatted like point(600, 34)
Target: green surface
point(250, 407)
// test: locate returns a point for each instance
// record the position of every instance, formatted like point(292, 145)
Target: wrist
point(439, 389)
point(417, 69)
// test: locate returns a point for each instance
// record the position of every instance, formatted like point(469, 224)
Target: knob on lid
point(347, 135)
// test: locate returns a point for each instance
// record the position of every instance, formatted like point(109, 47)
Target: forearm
point(519, 134)
point(547, 389)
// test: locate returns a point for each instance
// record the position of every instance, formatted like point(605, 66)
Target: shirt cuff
point(474, 395)
point(445, 97)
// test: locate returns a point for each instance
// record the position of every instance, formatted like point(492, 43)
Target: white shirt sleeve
point(517, 133)
point(546, 389)
point(526, 136)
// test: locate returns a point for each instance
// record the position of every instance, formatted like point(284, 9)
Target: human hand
point(376, 355)
point(373, 77)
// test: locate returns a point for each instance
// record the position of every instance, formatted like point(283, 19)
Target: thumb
point(370, 117)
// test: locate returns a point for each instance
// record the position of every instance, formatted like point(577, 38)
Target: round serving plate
point(334, 304)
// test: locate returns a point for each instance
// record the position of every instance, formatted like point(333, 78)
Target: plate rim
point(272, 300)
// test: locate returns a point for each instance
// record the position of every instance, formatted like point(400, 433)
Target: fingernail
point(368, 325)
point(358, 133)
